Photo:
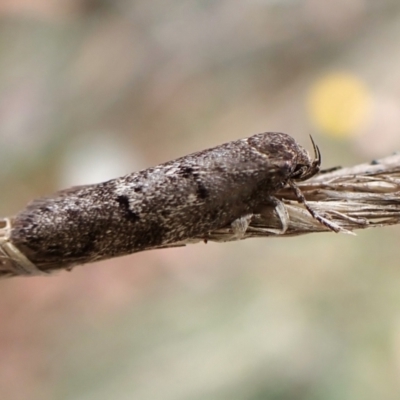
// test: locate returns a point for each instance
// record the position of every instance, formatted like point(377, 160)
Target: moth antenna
point(317, 153)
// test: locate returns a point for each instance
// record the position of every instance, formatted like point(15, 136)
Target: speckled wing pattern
point(181, 199)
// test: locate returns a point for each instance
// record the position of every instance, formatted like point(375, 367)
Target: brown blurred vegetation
point(94, 89)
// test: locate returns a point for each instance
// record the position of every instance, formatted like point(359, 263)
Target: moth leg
point(327, 170)
point(283, 215)
point(239, 226)
point(324, 221)
point(280, 209)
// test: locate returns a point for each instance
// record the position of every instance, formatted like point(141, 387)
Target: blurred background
point(94, 89)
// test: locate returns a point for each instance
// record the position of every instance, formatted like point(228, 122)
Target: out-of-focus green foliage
point(93, 89)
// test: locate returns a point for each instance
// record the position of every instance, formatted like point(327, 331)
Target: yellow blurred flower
point(339, 104)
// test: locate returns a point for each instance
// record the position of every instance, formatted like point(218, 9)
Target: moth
point(169, 203)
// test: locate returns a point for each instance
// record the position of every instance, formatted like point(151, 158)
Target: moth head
point(305, 166)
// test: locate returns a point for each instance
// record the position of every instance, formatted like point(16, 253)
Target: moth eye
point(299, 170)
